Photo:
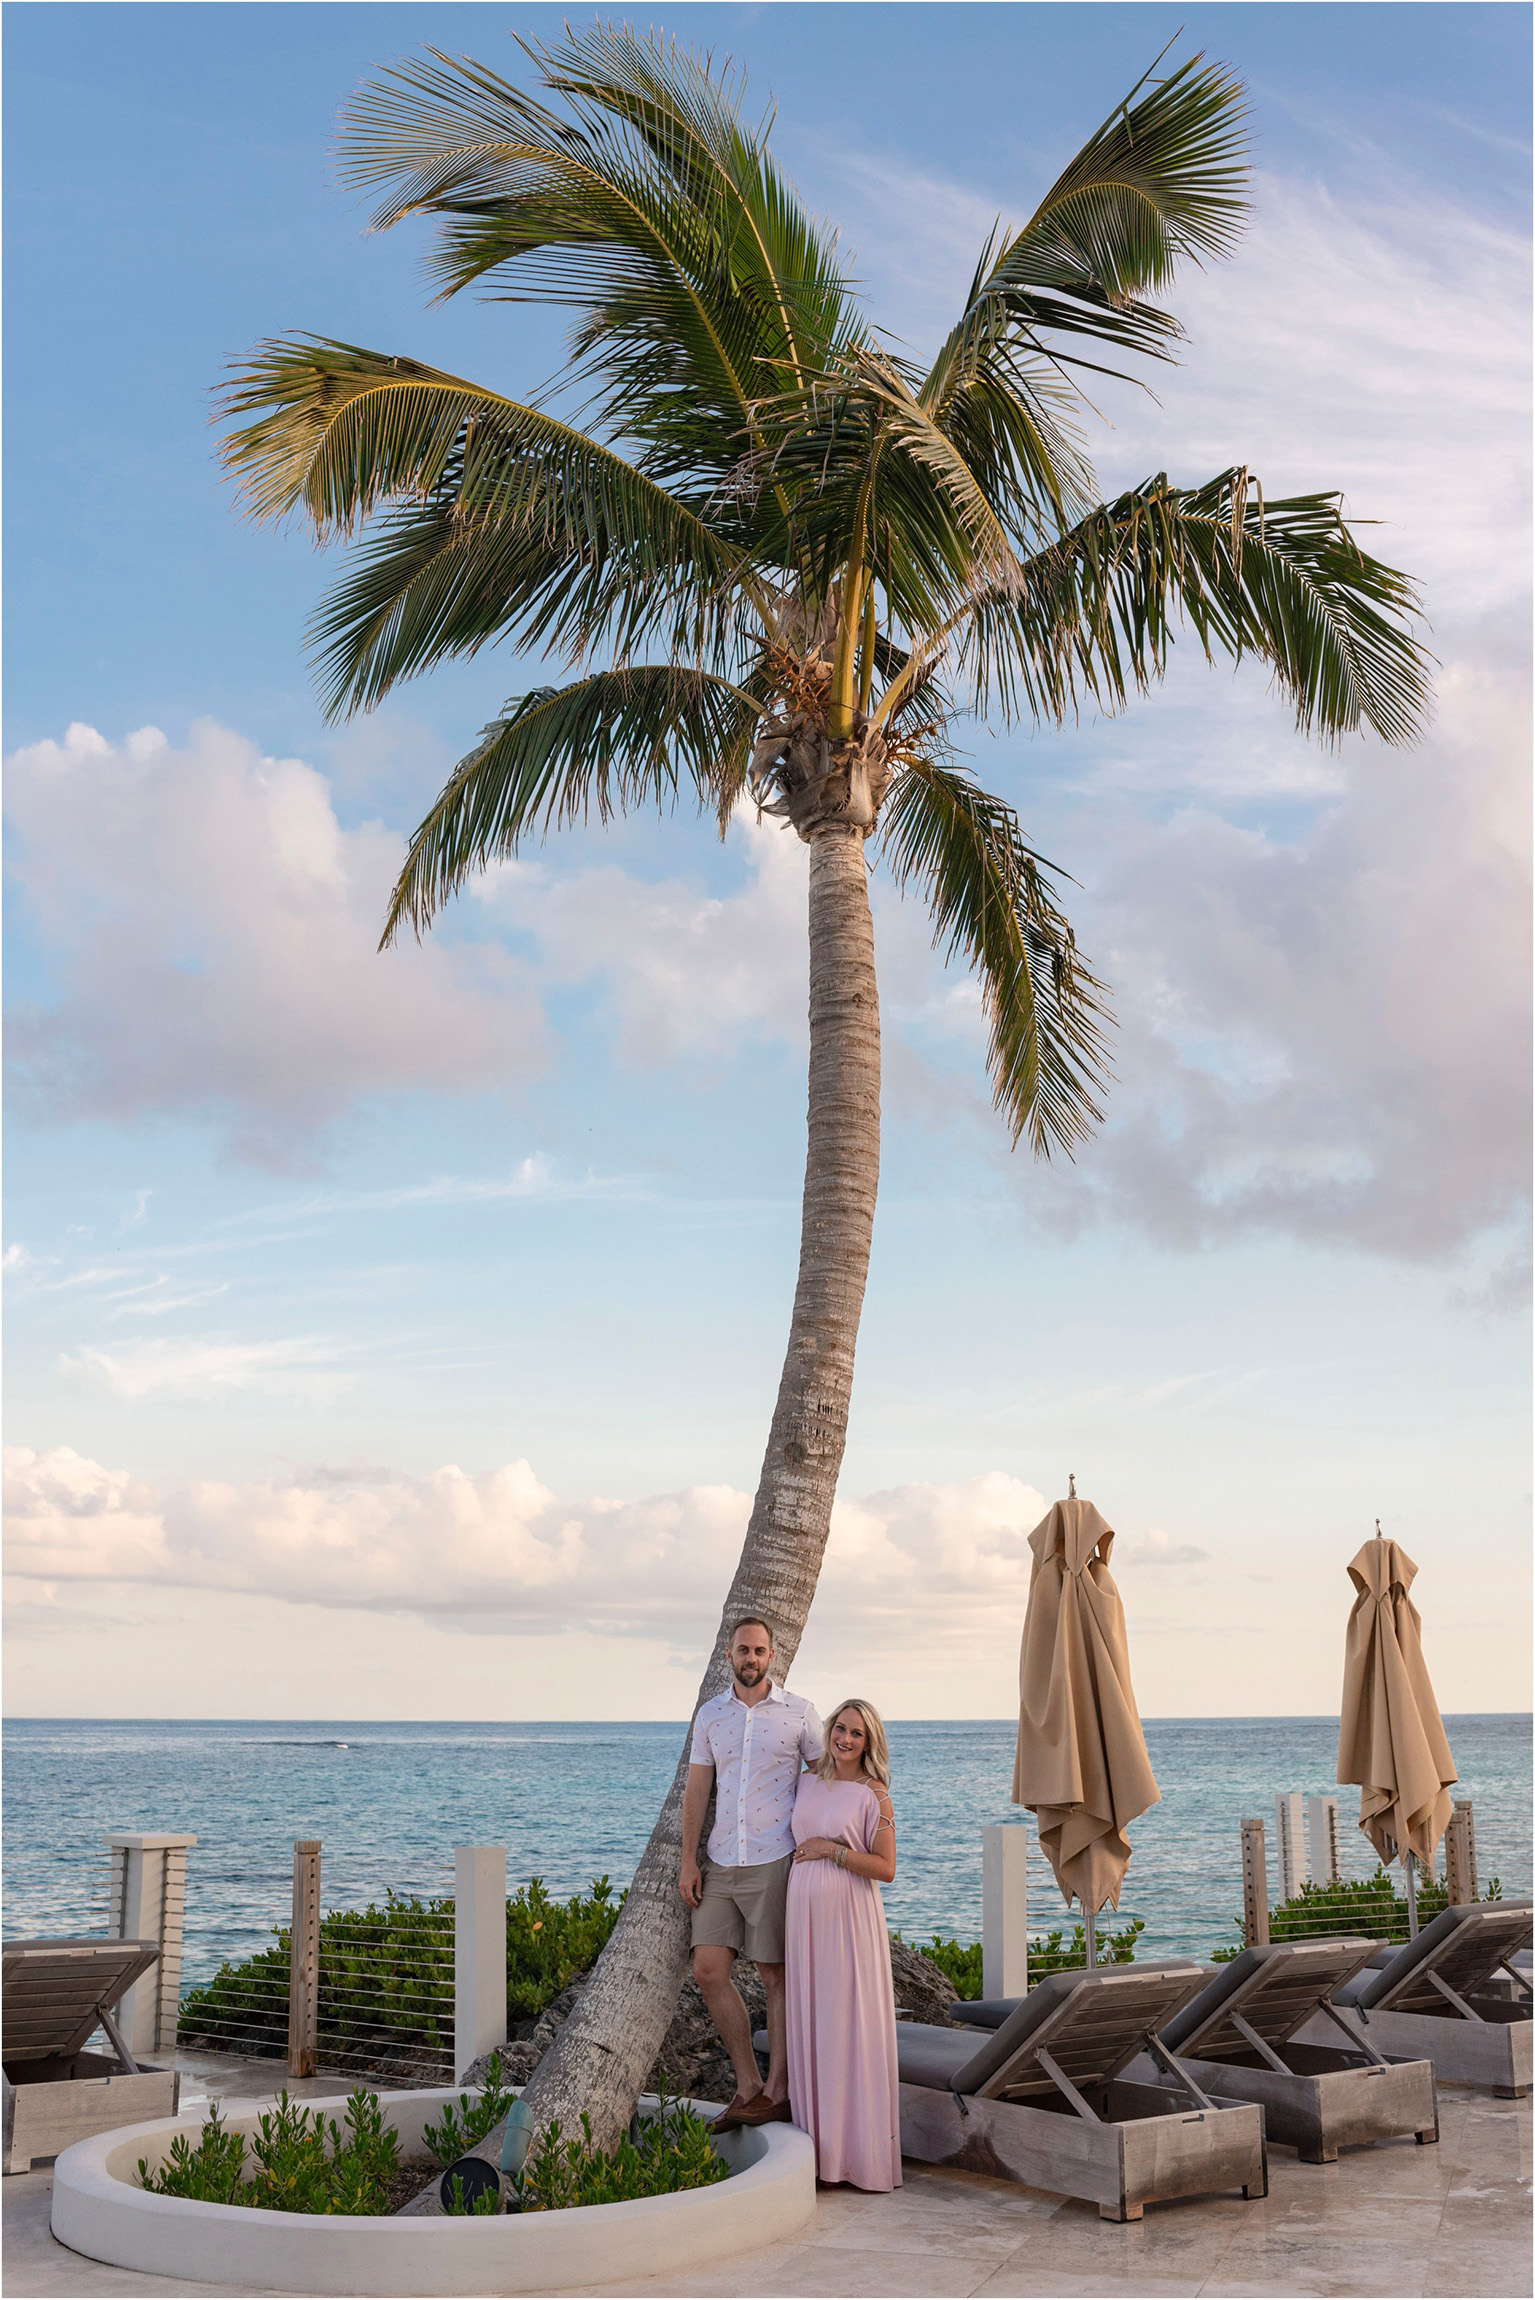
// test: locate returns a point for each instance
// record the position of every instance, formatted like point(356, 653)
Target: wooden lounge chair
point(1430, 2001)
point(1239, 2039)
point(1043, 2099)
point(53, 1996)
point(991, 2012)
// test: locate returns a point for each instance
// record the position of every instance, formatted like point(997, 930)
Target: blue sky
point(409, 1325)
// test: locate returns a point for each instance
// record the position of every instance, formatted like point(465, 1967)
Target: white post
point(1004, 1910)
point(1289, 1843)
point(1322, 1861)
point(146, 1903)
point(479, 1952)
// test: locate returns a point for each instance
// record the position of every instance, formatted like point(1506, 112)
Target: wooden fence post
point(1460, 1854)
point(304, 1959)
point(1255, 1886)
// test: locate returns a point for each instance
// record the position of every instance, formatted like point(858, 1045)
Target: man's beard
point(747, 1674)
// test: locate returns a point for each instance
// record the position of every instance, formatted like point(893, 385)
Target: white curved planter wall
point(100, 2209)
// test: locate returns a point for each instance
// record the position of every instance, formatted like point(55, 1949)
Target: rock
point(518, 2061)
point(921, 1988)
point(554, 2016)
point(691, 2059)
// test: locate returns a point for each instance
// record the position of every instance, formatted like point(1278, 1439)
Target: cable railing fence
point(360, 1992)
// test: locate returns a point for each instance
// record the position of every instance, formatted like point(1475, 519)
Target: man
point(748, 1745)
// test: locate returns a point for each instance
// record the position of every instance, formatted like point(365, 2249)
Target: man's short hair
point(748, 1621)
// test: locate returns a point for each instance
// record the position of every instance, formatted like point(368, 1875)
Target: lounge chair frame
point(1428, 2003)
point(1057, 2113)
point(1316, 2098)
point(56, 1994)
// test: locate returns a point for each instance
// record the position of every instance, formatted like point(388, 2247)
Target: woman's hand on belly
point(816, 1849)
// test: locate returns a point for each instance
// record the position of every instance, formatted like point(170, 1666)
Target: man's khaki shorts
point(743, 1909)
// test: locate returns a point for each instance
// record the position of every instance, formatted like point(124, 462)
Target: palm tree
point(780, 561)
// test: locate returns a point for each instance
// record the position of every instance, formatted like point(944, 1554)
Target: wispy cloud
point(190, 1369)
point(535, 1178)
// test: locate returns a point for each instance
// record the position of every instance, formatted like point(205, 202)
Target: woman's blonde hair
point(876, 1749)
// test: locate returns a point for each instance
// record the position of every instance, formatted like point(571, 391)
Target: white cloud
point(1159, 1548)
point(1328, 1036)
point(683, 973)
point(920, 1604)
point(489, 1548)
point(499, 1548)
point(211, 932)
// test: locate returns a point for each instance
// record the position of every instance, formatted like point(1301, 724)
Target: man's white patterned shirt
point(756, 1750)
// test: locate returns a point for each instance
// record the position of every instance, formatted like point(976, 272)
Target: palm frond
point(1162, 180)
point(1286, 581)
point(651, 210)
point(618, 740)
point(500, 520)
point(990, 901)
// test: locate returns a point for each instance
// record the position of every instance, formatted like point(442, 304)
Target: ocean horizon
point(574, 1800)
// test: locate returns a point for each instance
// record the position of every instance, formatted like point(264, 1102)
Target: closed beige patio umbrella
point(1391, 1739)
point(1081, 1763)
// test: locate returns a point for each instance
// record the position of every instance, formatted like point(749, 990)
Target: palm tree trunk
point(601, 2056)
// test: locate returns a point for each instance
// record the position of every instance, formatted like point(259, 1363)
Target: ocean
point(575, 1802)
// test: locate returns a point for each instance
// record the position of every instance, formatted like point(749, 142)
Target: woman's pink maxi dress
point(841, 2004)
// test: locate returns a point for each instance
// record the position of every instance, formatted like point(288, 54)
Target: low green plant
point(1054, 1953)
point(458, 2132)
point(667, 2152)
point(1370, 1908)
point(485, 2204)
point(210, 2173)
point(303, 2164)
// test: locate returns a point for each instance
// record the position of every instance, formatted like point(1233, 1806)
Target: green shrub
point(1370, 1907)
point(1055, 1953)
point(670, 2151)
point(457, 2134)
point(302, 2164)
point(210, 2173)
point(551, 1943)
point(386, 1974)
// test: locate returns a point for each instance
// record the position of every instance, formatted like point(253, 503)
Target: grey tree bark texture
point(604, 2051)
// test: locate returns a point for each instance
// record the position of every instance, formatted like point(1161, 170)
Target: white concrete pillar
point(479, 1952)
point(1005, 1910)
point(1322, 1865)
point(1289, 1842)
point(146, 1903)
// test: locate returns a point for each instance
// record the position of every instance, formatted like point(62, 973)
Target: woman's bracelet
point(840, 1856)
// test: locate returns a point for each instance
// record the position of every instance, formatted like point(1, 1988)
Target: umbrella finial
point(1071, 1481)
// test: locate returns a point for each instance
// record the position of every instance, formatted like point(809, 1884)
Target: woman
point(841, 2003)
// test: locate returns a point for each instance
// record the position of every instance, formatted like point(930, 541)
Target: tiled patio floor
point(1395, 2220)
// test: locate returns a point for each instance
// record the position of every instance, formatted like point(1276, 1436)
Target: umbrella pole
point(1089, 1926)
point(1410, 1864)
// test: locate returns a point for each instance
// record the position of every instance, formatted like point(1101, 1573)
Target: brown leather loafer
point(737, 2113)
point(765, 2111)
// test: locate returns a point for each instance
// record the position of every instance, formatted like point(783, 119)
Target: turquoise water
point(572, 1802)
